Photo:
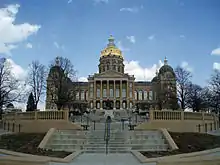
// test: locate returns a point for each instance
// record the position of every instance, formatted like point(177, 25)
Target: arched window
point(77, 95)
point(150, 95)
point(145, 95)
point(140, 95)
point(82, 96)
point(135, 95)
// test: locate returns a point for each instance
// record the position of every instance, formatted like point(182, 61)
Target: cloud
point(100, 1)
point(182, 36)
point(216, 52)
point(21, 73)
point(29, 45)
point(69, 1)
point(128, 9)
point(56, 45)
point(83, 79)
point(121, 47)
point(141, 73)
point(11, 34)
point(131, 39)
point(216, 66)
point(151, 37)
point(186, 66)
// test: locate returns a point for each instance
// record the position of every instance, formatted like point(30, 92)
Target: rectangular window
point(130, 95)
point(123, 93)
point(150, 95)
point(104, 94)
point(130, 85)
point(82, 95)
point(98, 93)
point(145, 95)
point(111, 93)
point(135, 95)
point(140, 95)
point(77, 95)
point(117, 93)
point(91, 93)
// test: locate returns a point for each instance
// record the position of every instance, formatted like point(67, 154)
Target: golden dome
point(111, 49)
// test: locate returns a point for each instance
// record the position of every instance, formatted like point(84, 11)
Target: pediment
point(110, 74)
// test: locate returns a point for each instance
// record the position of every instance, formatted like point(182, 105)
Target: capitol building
point(112, 88)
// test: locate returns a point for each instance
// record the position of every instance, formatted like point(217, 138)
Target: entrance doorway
point(108, 104)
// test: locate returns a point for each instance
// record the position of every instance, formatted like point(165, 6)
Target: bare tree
point(214, 87)
point(195, 99)
point(37, 80)
point(61, 83)
point(10, 87)
point(183, 78)
point(167, 98)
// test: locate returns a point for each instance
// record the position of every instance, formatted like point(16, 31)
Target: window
point(117, 92)
point(91, 85)
point(86, 98)
point(77, 95)
point(150, 95)
point(130, 95)
point(111, 92)
point(104, 93)
point(123, 92)
point(155, 95)
point(145, 95)
point(91, 105)
point(98, 105)
point(130, 85)
point(82, 95)
point(91, 93)
point(140, 95)
point(131, 105)
point(98, 93)
point(135, 95)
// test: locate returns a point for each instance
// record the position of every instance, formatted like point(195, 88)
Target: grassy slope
point(28, 143)
point(188, 142)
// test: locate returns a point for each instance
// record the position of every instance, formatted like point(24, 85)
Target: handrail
point(107, 133)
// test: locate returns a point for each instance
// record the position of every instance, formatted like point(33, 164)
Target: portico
point(111, 93)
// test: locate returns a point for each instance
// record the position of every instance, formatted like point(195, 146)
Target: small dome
point(166, 67)
point(155, 79)
point(111, 49)
point(55, 69)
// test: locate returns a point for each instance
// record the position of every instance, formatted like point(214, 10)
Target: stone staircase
point(121, 141)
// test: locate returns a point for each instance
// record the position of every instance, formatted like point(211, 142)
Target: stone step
point(103, 152)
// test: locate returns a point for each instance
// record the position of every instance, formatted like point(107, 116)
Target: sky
point(187, 32)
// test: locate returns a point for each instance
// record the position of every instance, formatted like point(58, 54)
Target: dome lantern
point(111, 49)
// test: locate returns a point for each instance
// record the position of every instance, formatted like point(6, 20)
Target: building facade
point(112, 88)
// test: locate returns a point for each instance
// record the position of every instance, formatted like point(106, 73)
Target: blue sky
point(185, 31)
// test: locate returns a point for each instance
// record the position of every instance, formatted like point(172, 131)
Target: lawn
point(188, 142)
point(28, 143)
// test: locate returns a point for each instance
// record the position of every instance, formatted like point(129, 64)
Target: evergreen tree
point(30, 103)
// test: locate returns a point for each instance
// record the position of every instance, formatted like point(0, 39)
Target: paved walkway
point(103, 159)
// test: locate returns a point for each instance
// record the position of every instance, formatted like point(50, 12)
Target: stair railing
point(107, 133)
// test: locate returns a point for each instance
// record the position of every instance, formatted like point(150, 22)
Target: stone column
point(101, 90)
point(121, 98)
point(127, 94)
point(108, 93)
point(114, 91)
point(114, 94)
point(101, 95)
point(94, 95)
